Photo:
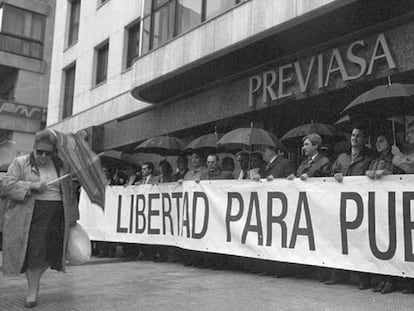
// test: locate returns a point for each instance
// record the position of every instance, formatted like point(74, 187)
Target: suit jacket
point(358, 167)
point(320, 166)
point(152, 180)
point(237, 174)
point(217, 174)
point(279, 168)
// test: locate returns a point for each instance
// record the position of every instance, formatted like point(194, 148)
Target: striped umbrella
point(84, 163)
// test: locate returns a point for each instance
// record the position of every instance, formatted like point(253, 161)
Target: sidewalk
point(92, 261)
point(145, 285)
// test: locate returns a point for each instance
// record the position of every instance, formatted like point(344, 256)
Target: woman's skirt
point(45, 242)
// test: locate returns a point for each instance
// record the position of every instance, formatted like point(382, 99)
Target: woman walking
point(38, 214)
point(382, 165)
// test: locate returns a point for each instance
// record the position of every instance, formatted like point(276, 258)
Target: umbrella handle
point(393, 131)
point(58, 179)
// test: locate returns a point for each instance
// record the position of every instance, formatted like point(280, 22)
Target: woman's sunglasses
point(47, 153)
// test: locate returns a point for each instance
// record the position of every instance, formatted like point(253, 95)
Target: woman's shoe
point(30, 304)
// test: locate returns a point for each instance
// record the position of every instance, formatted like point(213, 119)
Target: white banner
point(359, 224)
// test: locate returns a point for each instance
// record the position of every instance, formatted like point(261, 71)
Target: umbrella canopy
point(85, 164)
point(384, 99)
point(119, 157)
point(204, 143)
point(309, 128)
point(344, 119)
point(162, 145)
point(249, 138)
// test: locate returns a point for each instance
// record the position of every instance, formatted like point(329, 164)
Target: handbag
point(78, 250)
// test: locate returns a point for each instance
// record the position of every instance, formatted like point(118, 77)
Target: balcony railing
point(21, 46)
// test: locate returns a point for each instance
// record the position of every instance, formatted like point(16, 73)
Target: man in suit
point(182, 168)
point(147, 171)
point(148, 251)
point(315, 164)
point(197, 162)
point(242, 157)
point(277, 165)
point(355, 162)
point(213, 169)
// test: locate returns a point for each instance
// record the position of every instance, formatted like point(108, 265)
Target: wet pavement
point(116, 284)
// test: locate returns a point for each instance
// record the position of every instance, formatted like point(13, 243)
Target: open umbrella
point(84, 163)
point(309, 128)
point(119, 157)
point(206, 142)
point(388, 99)
point(248, 138)
point(162, 145)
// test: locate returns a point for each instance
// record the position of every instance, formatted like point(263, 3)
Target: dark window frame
point(101, 58)
point(23, 38)
point(74, 22)
point(151, 9)
point(130, 56)
point(68, 90)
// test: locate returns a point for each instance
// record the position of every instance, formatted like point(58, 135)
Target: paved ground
point(136, 285)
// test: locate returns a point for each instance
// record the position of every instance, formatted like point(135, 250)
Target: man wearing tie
point(242, 157)
point(277, 165)
point(315, 164)
point(147, 170)
point(199, 169)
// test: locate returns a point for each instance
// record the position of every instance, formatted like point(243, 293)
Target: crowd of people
point(41, 206)
point(359, 160)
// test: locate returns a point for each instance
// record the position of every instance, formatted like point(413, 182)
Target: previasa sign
point(356, 60)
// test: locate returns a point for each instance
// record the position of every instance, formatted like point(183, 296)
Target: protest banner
point(359, 224)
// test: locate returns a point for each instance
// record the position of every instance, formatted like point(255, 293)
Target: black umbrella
point(162, 145)
point(205, 143)
point(390, 100)
point(247, 138)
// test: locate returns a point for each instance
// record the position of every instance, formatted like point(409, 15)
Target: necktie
point(244, 174)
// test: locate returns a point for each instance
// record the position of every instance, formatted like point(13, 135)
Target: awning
point(321, 25)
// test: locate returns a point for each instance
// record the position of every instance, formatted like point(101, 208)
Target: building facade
point(128, 70)
point(26, 33)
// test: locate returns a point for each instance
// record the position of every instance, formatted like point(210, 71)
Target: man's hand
point(304, 176)
point(378, 174)
point(291, 177)
point(339, 177)
point(395, 150)
point(270, 178)
point(370, 174)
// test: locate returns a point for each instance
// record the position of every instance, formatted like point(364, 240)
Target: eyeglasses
point(47, 153)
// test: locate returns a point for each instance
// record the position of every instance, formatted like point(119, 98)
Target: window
point(73, 21)
point(214, 7)
point(21, 31)
point(188, 14)
point(165, 19)
point(133, 43)
point(69, 90)
point(102, 62)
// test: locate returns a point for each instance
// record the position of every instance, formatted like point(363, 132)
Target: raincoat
point(19, 210)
